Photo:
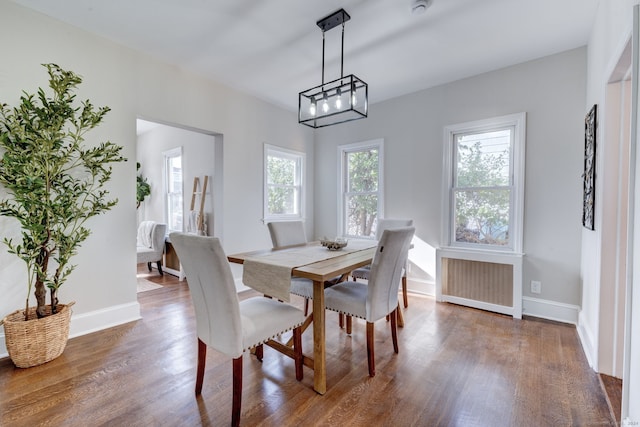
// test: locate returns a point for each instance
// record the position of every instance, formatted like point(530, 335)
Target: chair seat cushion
point(348, 298)
point(264, 318)
point(302, 287)
point(361, 273)
point(145, 254)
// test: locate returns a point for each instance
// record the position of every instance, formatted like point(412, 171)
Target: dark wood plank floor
point(456, 367)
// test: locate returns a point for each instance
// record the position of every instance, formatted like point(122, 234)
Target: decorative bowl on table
point(334, 245)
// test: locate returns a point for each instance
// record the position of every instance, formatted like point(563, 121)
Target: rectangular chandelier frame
point(341, 100)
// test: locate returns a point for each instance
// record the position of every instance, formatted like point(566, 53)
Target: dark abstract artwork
point(589, 175)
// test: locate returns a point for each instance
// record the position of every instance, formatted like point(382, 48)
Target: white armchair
point(150, 243)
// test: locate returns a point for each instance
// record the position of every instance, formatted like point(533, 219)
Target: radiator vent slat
point(478, 280)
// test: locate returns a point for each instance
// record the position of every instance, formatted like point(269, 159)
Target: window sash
point(282, 200)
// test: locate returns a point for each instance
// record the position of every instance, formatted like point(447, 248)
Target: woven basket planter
point(37, 341)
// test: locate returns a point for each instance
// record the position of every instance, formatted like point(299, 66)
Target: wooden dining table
point(319, 272)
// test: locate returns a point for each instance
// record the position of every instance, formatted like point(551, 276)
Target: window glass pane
point(281, 170)
point(362, 170)
point(482, 216)
point(282, 200)
point(175, 174)
point(283, 184)
point(175, 211)
point(483, 159)
point(361, 214)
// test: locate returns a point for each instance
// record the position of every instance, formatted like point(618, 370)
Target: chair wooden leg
point(160, 267)
point(259, 352)
point(341, 320)
point(394, 330)
point(349, 324)
point(149, 266)
point(400, 317)
point(237, 391)
point(202, 358)
point(306, 306)
point(370, 350)
point(404, 292)
point(297, 349)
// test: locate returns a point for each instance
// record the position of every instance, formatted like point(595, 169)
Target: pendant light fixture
point(337, 101)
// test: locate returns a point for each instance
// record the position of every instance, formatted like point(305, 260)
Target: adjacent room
point(437, 198)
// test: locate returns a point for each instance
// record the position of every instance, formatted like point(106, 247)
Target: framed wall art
point(589, 175)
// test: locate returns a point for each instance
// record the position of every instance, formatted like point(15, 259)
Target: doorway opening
point(171, 157)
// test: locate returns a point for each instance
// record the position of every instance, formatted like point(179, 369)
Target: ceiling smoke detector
point(420, 6)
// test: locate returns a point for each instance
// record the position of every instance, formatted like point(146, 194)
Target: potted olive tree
point(53, 183)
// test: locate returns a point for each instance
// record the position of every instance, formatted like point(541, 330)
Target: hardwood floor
point(456, 367)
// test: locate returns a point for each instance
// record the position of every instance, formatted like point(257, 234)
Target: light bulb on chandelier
point(312, 107)
point(339, 99)
point(325, 104)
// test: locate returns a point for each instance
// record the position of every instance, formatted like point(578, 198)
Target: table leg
point(319, 356)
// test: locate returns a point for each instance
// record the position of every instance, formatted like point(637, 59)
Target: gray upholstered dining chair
point(225, 323)
point(379, 297)
point(150, 243)
point(385, 224)
point(287, 233)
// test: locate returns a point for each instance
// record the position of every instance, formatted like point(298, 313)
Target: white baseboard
point(421, 286)
point(550, 310)
point(588, 342)
point(86, 323)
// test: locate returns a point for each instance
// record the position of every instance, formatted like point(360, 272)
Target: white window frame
point(299, 182)
point(517, 166)
point(168, 155)
point(343, 150)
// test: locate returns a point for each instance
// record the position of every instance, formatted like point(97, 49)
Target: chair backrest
point(286, 233)
point(386, 270)
point(212, 290)
point(387, 223)
point(158, 236)
point(151, 234)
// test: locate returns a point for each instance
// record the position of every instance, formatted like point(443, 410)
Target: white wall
point(551, 91)
point(611, 31)
point(133, 85)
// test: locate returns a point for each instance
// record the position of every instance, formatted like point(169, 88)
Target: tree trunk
point(54, 300)
point(41, 298)
point(41, 292)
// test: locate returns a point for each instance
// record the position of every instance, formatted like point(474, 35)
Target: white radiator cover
point(486, 280)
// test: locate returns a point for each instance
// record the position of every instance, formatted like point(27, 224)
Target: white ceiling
point(273, 49)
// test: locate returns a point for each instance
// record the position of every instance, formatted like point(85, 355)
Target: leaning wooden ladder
point(200, 223)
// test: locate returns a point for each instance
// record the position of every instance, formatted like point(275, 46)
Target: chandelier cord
point(342, 54)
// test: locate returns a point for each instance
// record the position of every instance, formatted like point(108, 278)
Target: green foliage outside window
point(482, 192)
point(281, 174)
point(362, 192)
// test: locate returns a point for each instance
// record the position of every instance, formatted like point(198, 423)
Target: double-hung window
point(283, 184)
point(361, 189)
point(173, 189)
point(484, 166)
